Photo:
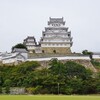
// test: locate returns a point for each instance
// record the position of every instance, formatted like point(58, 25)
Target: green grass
point(47, 97)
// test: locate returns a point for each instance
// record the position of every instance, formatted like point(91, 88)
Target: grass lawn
point(47, 97)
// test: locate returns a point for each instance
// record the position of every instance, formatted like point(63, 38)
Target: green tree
point(7, 83)
point(20, 45)
point(57, 67)
point(75, 85)
point(96, 64)
point(0, 89)
point(59, 78)
point(6, 90)
point(86, 52)
point(1, 81)
point(74, 70)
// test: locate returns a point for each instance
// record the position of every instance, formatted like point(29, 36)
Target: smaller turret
point(30, 43)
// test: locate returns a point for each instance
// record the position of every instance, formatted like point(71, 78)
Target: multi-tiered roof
point(30, 43)
point(56, 34)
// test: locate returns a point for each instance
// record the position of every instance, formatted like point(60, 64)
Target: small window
point(54, 51)
point(68, 34)
point(56, 24)
point(42, 51)
point(33, 51)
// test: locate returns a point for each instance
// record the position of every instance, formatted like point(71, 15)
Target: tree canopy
point(20, 46)
point(86, 52)
point(59, 78)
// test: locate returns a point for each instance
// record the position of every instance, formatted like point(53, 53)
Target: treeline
point(59, 78)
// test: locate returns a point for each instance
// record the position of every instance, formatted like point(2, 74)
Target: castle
point(55, 39)
point(56, 42)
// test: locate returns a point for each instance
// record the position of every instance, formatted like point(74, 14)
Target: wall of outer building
point(96, 56)
point(25, 55)
point(86, 58)
point(16, 59)
point(8, 61)
point(60, 50)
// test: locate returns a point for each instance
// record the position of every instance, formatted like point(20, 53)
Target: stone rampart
point(60, 50)
point(86, 63)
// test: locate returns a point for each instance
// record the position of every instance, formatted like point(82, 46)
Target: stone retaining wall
point(86, 63)
point(60, 50)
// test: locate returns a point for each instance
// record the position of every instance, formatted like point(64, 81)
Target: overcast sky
point(22, 18)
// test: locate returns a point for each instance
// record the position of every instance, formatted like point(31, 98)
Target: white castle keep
point(56, 42)
point(55, 39)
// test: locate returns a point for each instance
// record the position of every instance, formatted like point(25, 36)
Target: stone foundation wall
point(86, 63)
point(17, 90)
point(59, 50)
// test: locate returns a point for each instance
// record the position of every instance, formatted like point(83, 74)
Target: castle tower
point(30, 43)
point(56, 38)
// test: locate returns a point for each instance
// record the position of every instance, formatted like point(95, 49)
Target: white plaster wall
point(56, 40)
point(30, 43)
point(96, 56)
point(61, 58)
point(30, 47)
point(25, 55)
point(10, 60)
point(55, 45)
